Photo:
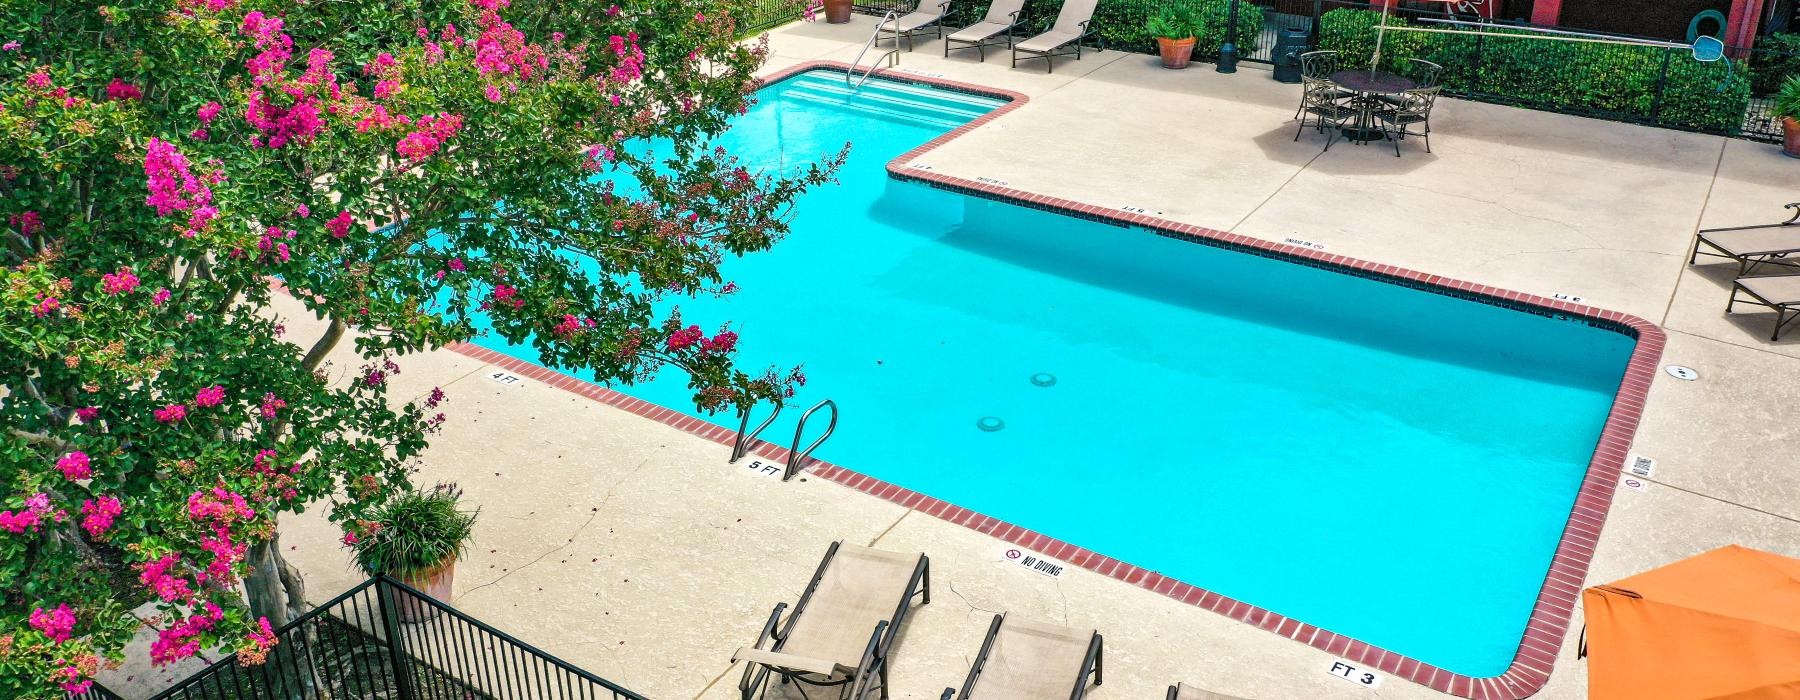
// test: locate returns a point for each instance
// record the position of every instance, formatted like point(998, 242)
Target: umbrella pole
point(1380, 33)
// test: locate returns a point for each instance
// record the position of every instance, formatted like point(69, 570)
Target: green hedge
point(1777, 57)
point(1601, 79)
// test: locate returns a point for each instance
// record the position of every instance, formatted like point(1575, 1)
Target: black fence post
point(1228, 52)
point(1312, 34)
point(1662, 84)
point(390, 625)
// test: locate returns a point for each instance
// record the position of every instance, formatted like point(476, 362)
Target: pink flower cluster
point(722, 342)
point(273, 243)
point(26, 223)
point(299, 119)
point(430, 134)
point(631, 60)
point(121, 282)
point(278, 125)
point(339, 225)
point(58, 624)
point(159, 577)
point(182, 639)
point(75, 465)
point(209, 396)
point(502, 53)
point(507, 294)
point(97, 515)
point(37, 509)
point(171, 413)
point(270, 404)
point(162, 295)
point(121, 90)
point(174, 187)
point(219, 507)
point(45, 306)
point(570, 325)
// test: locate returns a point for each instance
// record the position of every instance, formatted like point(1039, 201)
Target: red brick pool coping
point(1550, 616)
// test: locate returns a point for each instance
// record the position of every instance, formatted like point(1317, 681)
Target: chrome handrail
point(741, 446)
point(874, 38)
point(796, 456)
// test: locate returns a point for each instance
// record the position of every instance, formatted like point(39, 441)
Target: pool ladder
point(797, 458)
point(875, 67)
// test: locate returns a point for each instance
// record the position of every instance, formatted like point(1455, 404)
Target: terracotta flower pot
point(1790, 137)
point(837, 11)
point(1176, 53)
point(434, 582)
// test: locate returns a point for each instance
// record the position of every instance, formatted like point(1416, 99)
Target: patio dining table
point(1368, 84)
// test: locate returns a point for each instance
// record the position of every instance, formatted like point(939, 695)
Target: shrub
point(1777, 57)
point(1605, 79)
point(416, 532)
point(1787, 99)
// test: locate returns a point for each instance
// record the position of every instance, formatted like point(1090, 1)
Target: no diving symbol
point(1014, 554)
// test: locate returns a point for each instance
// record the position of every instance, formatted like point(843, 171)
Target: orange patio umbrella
point(1724, 625)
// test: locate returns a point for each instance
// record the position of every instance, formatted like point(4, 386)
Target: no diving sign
point(1034, 562)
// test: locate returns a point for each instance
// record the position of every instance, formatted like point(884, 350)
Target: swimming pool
point(1387, 463)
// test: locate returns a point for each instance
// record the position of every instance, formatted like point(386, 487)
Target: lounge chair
point(1074, 24)
point(1778, 292)
point(1183, 691)
point(1001, 17)
point(923, 18)
point(1021, 659)
point(842, 630)
point(1750, 246)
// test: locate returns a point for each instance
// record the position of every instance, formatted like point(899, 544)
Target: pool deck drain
point(628, 547)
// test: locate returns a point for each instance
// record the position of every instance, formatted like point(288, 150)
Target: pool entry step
point(797, 458)
point(891, 98)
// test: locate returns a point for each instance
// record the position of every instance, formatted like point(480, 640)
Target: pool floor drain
point(1043, 379)
point(1686, 374)
point(990, 424)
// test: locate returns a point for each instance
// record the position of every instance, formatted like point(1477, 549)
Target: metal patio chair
point(1751, 246)
point(1074, 25)
point(1318, 66)
point(924, 18)
point(1324, 105)
point(1000, 19)
point(842, 631)
point(1426, 73)
point(1021, 659)
point(1412, 109)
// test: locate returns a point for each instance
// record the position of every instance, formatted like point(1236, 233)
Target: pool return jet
point(1706, 48)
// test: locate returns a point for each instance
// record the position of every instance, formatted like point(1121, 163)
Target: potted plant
point(1786, 107)
point(1174, 29)
point(837, 11)
point(417, 538)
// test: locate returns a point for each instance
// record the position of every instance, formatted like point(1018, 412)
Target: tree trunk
point(277, 592)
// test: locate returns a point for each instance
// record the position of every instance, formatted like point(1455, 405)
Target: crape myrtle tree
point(400, 167)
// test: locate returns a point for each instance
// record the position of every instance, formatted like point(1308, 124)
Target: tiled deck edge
point(1550, 616)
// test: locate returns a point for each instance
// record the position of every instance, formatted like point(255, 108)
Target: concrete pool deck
point(628, 547)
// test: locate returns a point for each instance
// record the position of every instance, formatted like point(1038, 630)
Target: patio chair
point(1021, 659)
point(1325, 106)
point(842, 631)
point(1412, 109)
point(1319, 65)
point(923, 18)
point(1001, 17)
point(1425, 73)
point(1183, 691)
point(1074, 25)
point(1750, 246)
point(1780, 293)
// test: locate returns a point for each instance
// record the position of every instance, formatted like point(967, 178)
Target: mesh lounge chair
point(842, 630)
point(1183, 691)
point(1778, 292)
point(1001, 17)
point(1750, 246)
point(1074, 24)
point(923, 18)
point(1021, 659)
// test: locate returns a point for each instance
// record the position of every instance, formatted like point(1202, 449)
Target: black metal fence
point(95, 691)
point(383, 639)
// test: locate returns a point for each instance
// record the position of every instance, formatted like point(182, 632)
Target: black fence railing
point(95, 691)
point(383, 639)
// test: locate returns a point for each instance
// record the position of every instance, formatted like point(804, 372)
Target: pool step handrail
point(876, 67)
point(745, 437)
point(796, 456)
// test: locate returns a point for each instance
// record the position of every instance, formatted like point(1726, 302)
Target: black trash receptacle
point(1289, 44)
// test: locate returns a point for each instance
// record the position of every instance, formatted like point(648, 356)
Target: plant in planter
point(1174, 27)
point(417, 538)
point(1786, 107)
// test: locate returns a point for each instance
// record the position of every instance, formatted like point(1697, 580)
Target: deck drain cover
point(1686, 374)
point(1043, 379)
point(990, 424)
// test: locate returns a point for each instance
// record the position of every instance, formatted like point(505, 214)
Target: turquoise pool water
point(1386, 463)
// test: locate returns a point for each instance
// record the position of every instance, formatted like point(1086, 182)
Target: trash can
point(1289, 44)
